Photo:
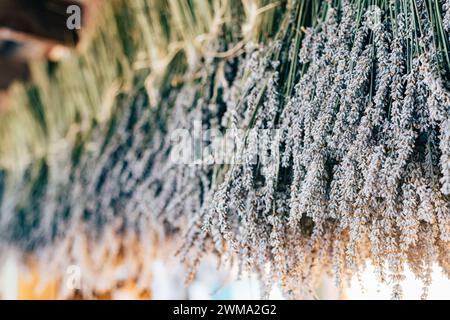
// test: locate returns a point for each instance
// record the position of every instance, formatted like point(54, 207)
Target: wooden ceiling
point(30, 29)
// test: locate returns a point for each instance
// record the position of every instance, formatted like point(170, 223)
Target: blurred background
point(213, 283)
point(31, 30)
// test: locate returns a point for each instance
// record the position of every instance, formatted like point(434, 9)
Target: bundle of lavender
point(84, 148)
point(352, 158)
point(338, 117)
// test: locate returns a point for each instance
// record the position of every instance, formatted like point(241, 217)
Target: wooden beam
point(43, 19)
point(12, 70)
